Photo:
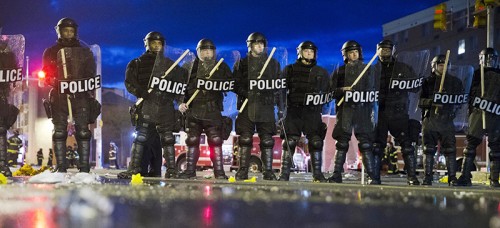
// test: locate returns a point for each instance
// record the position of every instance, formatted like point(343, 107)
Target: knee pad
point(215, 140)
point(430, 150)
point(364, 147)
point(167, 139)
point(141, 137)
point(448, 151)
point(378, 151)
point(59, 134)
point(83, 134)
point(407, 150)
point(267, 142)
point(245, 141)
point(193, 140)
point(469, 152)
point(316, 143)
point(340, 145)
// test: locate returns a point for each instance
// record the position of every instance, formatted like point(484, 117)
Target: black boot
point(467, 165)
point(4, 165)
point(286, 161)
point(428, 169)
point(244, 158)
point(377, 160)
point(267, 162)
point(60, 151)
point(193, 154)
point(411, 167)
point(494, 173)
point(84, 153)
point(368, 162)
point(169, 156)
point(451, 166)
point(316, 161)
point(135, 163)
point(217, 162)
point(338, 167)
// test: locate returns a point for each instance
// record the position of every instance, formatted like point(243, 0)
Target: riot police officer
point(83, 105)
point(393, 111)
point(488, 58)
point(8, 113)
point(156, 111)
point(304, 77)
point(437, 123)
point(259, 112)
point(204, 113)
point(353, 115)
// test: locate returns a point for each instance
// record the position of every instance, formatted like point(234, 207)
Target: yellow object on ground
point(136, 179)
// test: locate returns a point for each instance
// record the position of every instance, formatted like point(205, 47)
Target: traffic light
point(440, 17)
point(41, 78)
point(479, 14)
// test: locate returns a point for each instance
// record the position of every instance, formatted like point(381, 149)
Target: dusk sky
point(119, 26)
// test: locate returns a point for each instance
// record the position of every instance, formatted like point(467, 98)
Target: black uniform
point(476, 132)
point(393, 117)
point(301, 118)
point(155, 111)
point(152, 159)
point(204, 115)
point(85, 107)
point(438, 126)
point(39, 157)
point(257, 115)
point(8, 113)
point(353, 116)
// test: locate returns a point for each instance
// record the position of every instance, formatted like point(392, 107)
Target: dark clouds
point(119, 26)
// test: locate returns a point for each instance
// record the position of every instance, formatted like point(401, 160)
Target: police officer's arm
point(90, 68)
point(131, 80)
point(240, 87)
point(336, 86)
point(425, 101)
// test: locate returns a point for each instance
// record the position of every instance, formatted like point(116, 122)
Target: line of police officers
point(198, 109)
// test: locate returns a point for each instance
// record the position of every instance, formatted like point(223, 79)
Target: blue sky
point(119, 26)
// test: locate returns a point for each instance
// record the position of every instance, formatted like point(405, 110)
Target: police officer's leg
point(266, 132)
point(449, 150)
point(365, 148)
point(215, 144)
point(83, 136)
point(288, 148)
point(429, 140)
point(342, 146)
point(137, 151)
point(156, 160)
point(167, 140)
point(494, 144)
point(193, 146)
point(468, 161)
point(379, 146)
point(410, 160)
point(245, 129)
point(59, 136)
point(316, 150)
point(4, 166)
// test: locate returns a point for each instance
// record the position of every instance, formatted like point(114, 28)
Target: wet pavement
point(109, 202)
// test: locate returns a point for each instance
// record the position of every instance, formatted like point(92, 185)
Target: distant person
point(15, 144)
point(39, 156)
point(113, 151)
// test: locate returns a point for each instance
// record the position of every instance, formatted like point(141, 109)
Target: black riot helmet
point(205, 44)
point(349, 46)
point(386, 44)
point(488, 57)
point(307, 45)
point(438, 59)
point(256, 37)
point(153, 36)
point(66, 22)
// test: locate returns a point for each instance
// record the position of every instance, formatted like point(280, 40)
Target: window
point(461, 46)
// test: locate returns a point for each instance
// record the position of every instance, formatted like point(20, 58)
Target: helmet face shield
point(66, 28)
point(350, 46)
point(258, 39)
point(307, 50)
point(488, 58)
